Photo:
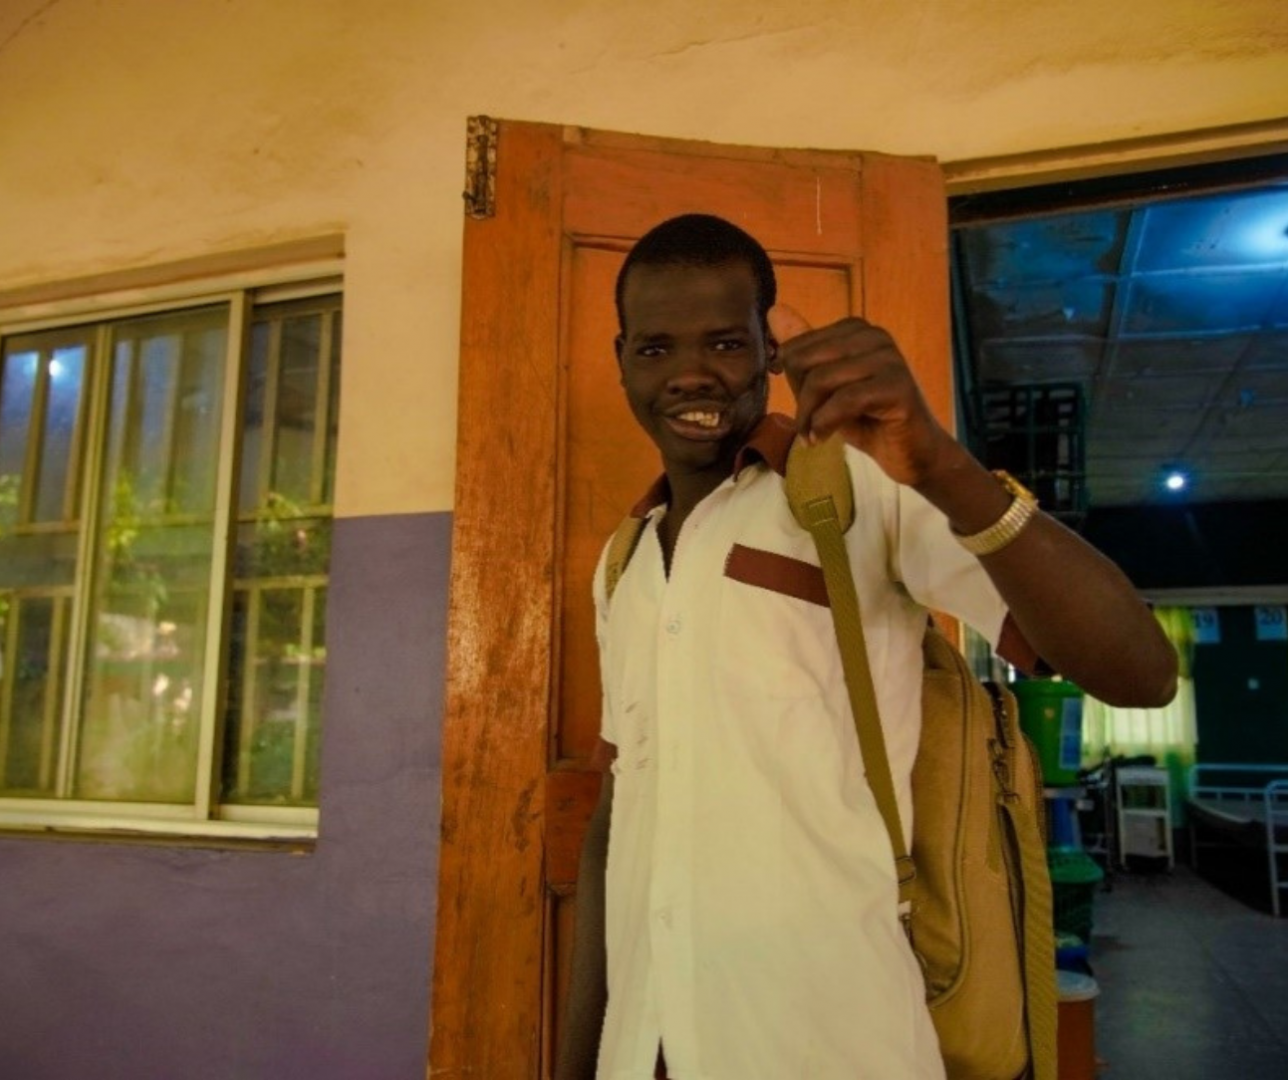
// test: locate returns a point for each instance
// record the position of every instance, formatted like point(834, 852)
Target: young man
point(750, 927)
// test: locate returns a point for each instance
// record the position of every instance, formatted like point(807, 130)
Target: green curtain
point(1169, 734)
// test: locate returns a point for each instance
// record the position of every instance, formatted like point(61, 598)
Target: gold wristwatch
point(1006, 528)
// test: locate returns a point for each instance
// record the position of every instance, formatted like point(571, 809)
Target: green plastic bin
point(1051, 715)
point(1075, 876)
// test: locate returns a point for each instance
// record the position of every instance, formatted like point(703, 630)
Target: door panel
point(803, 203)
point(550, 459)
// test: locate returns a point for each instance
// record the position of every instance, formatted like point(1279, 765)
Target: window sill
point(295, 836)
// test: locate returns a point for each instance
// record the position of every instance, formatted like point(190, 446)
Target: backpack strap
point(620, 549)
point(1040, 993)
point(822, 501)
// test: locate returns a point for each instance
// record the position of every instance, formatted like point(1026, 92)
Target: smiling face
point(695, 362)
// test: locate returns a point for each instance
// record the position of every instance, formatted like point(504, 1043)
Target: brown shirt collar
point(769, 442)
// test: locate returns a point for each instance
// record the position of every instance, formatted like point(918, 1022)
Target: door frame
point(1198, 146)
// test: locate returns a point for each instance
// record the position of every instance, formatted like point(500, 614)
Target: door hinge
point(480, 167)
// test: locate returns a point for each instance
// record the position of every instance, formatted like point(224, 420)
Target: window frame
point(205, 817)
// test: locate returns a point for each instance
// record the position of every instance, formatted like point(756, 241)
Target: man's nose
point(691, 368)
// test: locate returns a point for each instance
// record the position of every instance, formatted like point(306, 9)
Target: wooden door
point(549, 460)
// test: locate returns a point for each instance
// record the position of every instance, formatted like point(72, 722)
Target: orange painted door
point(550, 459)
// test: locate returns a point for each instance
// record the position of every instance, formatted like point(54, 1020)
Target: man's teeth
point(704, 419)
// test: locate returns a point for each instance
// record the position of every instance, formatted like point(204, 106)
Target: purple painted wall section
point(126, 962)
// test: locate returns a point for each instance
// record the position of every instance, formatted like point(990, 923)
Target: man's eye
point(650, 352)
point(729, 345)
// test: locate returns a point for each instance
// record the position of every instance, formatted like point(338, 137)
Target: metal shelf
point(1143, 804)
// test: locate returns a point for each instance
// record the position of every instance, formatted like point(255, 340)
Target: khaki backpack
point(975, 892)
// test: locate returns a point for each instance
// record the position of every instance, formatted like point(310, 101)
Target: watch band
point(1006, 528)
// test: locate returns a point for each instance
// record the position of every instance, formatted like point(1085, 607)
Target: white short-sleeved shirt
point(752, 923)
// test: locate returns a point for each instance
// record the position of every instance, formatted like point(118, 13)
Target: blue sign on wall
point(1207, 626)
point(1272, 623)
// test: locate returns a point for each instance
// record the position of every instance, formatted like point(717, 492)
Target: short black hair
point(701, 240)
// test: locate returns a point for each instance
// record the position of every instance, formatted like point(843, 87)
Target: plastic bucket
point(1051, 715)
point(1076, 1035)
point(1062, 821)
point(1070, 952)
point(1074, 880)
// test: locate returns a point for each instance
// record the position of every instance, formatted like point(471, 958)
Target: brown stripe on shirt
point(777, 573)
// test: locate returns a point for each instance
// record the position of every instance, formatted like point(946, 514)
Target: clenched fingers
point(842, 374)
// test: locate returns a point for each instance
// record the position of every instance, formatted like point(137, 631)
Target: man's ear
point(619, 346)
point(771, 354)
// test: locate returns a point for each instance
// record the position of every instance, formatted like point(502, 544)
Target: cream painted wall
point(144, 131)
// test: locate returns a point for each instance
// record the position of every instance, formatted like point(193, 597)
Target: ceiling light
point(1262, 226)
point(1175, 480)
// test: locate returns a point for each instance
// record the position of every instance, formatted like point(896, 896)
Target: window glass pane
point(290, 403)
point(65, 374)
point(32, 666)
point(153, 379)
point(196, 426)
point(142, 701)
point(275, 695)
point(146, 636)
point(17, 399)
point(277, 655)
point(167, 379)
point(277, 659)
point(296, 418)
point(42, 391)
point(253, 416)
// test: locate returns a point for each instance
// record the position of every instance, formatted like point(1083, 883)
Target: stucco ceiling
point(1170, 316)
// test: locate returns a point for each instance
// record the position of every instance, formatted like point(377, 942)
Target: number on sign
point(1272, 623)
point(1207, 626)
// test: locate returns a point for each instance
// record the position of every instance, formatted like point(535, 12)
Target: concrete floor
point(1193, 984)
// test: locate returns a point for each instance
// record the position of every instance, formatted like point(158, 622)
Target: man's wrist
point(1013, 521)
point(965, 492)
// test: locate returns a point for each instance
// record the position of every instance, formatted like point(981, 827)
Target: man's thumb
point(786, 323)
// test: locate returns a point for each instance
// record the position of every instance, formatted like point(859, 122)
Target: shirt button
point(673, 625)
point(663, 915)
